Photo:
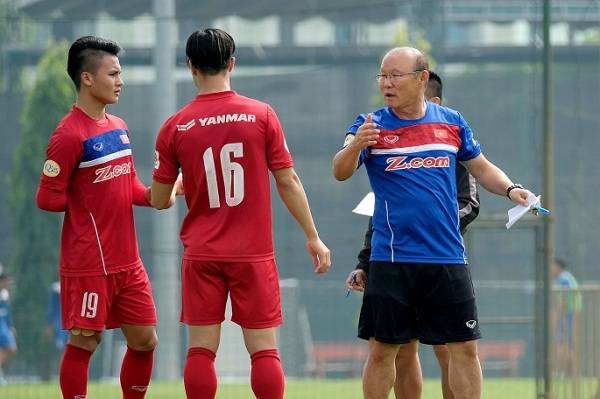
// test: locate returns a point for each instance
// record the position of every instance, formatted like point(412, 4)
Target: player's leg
point(464, 370)
point(84, 304)
point(74, 364)
point(409, 378)
point(256, 307)
point(387, 320)
point(443, 358)
point(134, 312)
point(266, 376)
point(379, 373)
point(448, 313)
point(204, 296)
point(199, 375)
point(8, 348)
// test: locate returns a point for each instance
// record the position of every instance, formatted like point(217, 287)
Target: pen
point(353, 278)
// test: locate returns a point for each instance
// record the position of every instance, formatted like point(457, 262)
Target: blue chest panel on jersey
point(103, 147)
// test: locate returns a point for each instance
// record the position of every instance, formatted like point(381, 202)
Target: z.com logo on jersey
point(112, 171)
point(400, 163)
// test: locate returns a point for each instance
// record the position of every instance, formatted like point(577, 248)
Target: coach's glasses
point(395, 77)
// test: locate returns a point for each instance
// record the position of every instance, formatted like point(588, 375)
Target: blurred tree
point(36, 232)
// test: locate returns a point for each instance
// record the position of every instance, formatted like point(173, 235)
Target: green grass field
point(494, 388)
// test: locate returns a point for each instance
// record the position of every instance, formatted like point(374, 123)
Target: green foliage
point(37, 232)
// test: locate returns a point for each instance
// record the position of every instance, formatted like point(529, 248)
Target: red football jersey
point(225, 145)
point(91, 161)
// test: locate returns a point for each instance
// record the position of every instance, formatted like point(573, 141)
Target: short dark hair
point(85, 53)
point(210, 50)
point(434, 86)
point(561, 263)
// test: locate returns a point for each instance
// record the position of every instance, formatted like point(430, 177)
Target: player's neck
point(212, 84)
point(91, 106)
point(411, 111)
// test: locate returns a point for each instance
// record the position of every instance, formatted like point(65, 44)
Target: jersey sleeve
point(360, 119)
point(62, 158)
point(469, 147)
point(278, 153)
point(166, 166)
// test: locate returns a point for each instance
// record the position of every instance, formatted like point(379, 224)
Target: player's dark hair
point(561, 263)
point(85, 55)
point(434, 86)
point(210, 50)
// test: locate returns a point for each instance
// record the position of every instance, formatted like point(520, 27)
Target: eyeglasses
point(395, 77)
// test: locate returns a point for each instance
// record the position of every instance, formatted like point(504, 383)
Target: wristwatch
point(510, 188)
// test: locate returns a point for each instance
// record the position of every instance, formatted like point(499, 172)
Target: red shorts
point(104, 302)
point(252, 286)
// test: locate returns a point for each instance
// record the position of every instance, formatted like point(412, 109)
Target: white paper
point(366, 206)
point(519, 211)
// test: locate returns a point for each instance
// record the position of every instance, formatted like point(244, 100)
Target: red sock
point(266, 376)
point(136, 371)
point(73, 373)
point(199, 375)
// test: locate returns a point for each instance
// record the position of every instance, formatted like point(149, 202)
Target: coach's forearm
point(293, 196)
point(491, 177)
point(345, 162)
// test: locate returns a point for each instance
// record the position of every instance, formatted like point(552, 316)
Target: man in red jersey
point(89, 175)
point(225, 145)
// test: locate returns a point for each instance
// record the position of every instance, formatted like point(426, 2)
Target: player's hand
point(178, 186)
point(519, 196)
point(357, 280)
point(366, 135)
point(320, 254)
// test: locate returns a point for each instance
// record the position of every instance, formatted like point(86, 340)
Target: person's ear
point(231, 64)
point(436, 100)
point(86, 79)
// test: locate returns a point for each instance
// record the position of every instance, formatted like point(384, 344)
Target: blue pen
point(354, 281)
point(543, 211)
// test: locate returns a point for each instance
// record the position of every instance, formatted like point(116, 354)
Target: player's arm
point(468, 196)
point(62, 157)
point(162, 195)
point(293, 196)
point(346, 160)
point(494, 179)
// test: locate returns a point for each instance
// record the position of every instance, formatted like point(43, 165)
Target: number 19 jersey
point(225, 145)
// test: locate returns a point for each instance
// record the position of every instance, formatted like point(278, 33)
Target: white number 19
point(233, 175)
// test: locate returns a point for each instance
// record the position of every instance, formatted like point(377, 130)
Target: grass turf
point(494, 388)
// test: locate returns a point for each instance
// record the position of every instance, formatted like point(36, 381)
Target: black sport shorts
point(430, 302)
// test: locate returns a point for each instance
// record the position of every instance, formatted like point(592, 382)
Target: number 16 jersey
point(225, 144)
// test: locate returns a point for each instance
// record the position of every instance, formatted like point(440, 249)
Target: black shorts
point(430, 302)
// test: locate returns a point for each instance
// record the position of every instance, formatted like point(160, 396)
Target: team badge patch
point(51, 168)
point(124, 139)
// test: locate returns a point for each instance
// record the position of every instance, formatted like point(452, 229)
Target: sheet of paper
point(519, 211)
point(366, 206)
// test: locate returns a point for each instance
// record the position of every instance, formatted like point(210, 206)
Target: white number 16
point(232, 172)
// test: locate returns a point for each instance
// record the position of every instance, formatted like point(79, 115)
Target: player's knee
point(463, 351)
point(85, 339)
point(147, 342)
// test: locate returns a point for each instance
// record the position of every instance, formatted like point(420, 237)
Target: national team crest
point(390, 139)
